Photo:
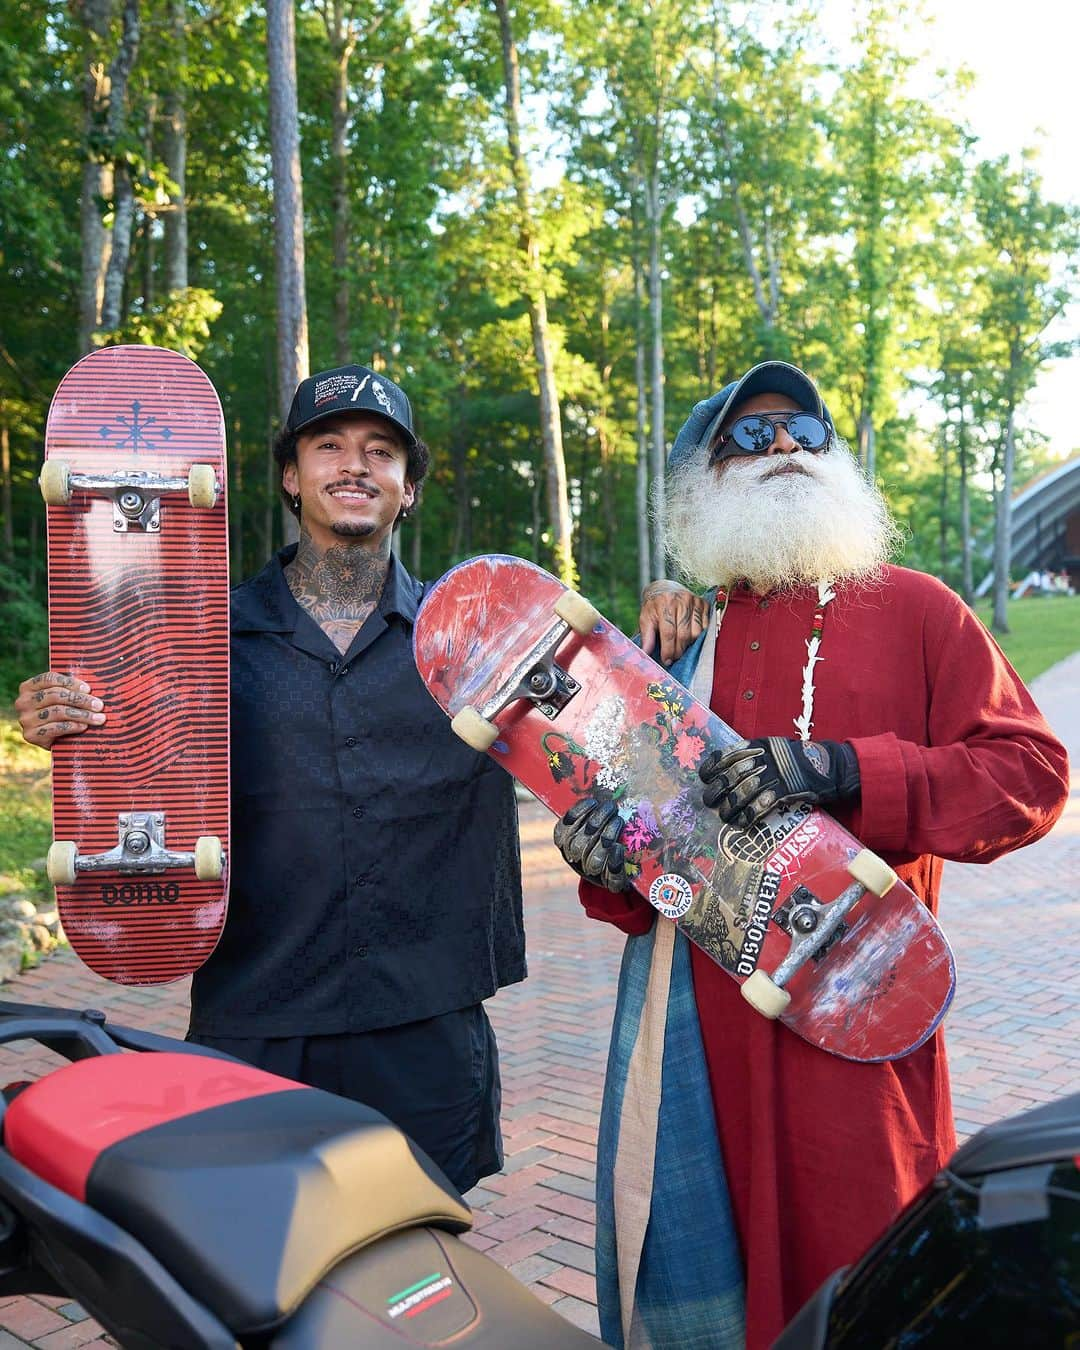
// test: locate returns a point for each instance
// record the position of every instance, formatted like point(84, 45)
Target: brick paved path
point(1012, 1034)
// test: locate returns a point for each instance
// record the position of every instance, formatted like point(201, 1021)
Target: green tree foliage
point(710, 185)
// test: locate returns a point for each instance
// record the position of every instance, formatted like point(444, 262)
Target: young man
point(375, 889)
point(906, 722)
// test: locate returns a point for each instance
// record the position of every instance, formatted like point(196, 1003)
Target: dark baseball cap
point(350, 389)
point(770, 377)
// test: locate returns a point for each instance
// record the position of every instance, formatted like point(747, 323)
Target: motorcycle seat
point(247, 1187)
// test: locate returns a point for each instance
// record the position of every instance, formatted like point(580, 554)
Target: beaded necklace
point(826, 593)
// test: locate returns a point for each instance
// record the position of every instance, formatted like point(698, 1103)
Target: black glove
point(745, 782)
point(588, 837)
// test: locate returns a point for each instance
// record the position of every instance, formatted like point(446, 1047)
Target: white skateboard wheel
point(60, 862)
point(576, 611)
point(767, 998)
point(869, 871)
point(209, 858)
point(473, 729)
point(55, 482)
point(202, 486)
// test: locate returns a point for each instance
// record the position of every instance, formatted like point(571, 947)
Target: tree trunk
point(5, 490)
point(112, 302)
point(342, 44)
point(558, 500)
point(236, 503)
point(641, 419)
point(96, 177)
point(1003, 529)
point(608, 466)
point(416, 536)
point(768, 306)
point(967, 581)
point(867, 445)
point(461, 545)
point(656, 315)
point(175, 151)
point(943, 512)
point(292, 327)
point(144, 238)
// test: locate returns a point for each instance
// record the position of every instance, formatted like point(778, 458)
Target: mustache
point(787, 466)
point(756, 472)
point(353, 483)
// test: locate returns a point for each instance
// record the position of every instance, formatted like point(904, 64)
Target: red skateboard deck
point(139, 609)
point(818, 930)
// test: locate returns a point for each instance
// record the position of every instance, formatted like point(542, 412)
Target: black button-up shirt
point(374, 866)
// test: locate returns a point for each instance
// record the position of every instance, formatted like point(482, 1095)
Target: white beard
point(826, 522)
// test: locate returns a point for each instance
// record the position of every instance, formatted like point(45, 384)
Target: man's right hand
point(53, 705)
point(671, 619)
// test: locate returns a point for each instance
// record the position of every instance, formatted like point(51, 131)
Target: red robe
point(955, 762)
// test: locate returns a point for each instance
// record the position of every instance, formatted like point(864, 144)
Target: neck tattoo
point(825, 593)
point(338, 588)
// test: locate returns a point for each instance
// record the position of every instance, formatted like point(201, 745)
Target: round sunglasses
point(755, 433)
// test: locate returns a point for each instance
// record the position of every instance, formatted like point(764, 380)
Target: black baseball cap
point(350, 389)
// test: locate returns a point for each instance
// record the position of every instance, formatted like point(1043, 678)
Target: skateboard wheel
point(209, 858)
point(869, 871)
point(202, 488)
point(576, 611)
point(767, 998)
point(55, 482)
point(60, 862)
point(474, 730)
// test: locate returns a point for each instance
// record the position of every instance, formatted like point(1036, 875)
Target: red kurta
point(955, 762)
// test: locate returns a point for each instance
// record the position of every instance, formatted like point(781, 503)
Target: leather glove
point(588, 837)
point(745, 782)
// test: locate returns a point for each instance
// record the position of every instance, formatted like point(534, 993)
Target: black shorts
point(438, 1080)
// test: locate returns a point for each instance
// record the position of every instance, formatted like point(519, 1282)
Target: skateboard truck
point(814, 924)
point(136, 494)
point(140, 851)
point(536, 677)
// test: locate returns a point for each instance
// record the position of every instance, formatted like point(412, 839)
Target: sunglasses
point(755, 433)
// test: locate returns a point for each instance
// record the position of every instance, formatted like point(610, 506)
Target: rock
point(21, 908)
point(11, 957)
point(42, 939)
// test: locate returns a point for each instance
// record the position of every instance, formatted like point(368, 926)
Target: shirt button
point(333, 667)
point(748, 693)
point(344, 670)
point(754, 646)
point(764, 604)
point(362, 953)
point(358, 811)
point(360, 880)
point(350, 741)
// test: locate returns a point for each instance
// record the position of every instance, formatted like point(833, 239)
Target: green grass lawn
point(1044, 629)
point(24, 810)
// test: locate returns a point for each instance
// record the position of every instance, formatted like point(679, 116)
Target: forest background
point(558, 223)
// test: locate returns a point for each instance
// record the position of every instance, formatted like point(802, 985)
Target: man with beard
point(738, 1166)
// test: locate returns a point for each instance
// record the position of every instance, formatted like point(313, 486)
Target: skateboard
point(819, 931)
point(134, 481)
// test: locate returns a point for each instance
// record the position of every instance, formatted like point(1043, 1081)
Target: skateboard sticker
point(671, 895)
